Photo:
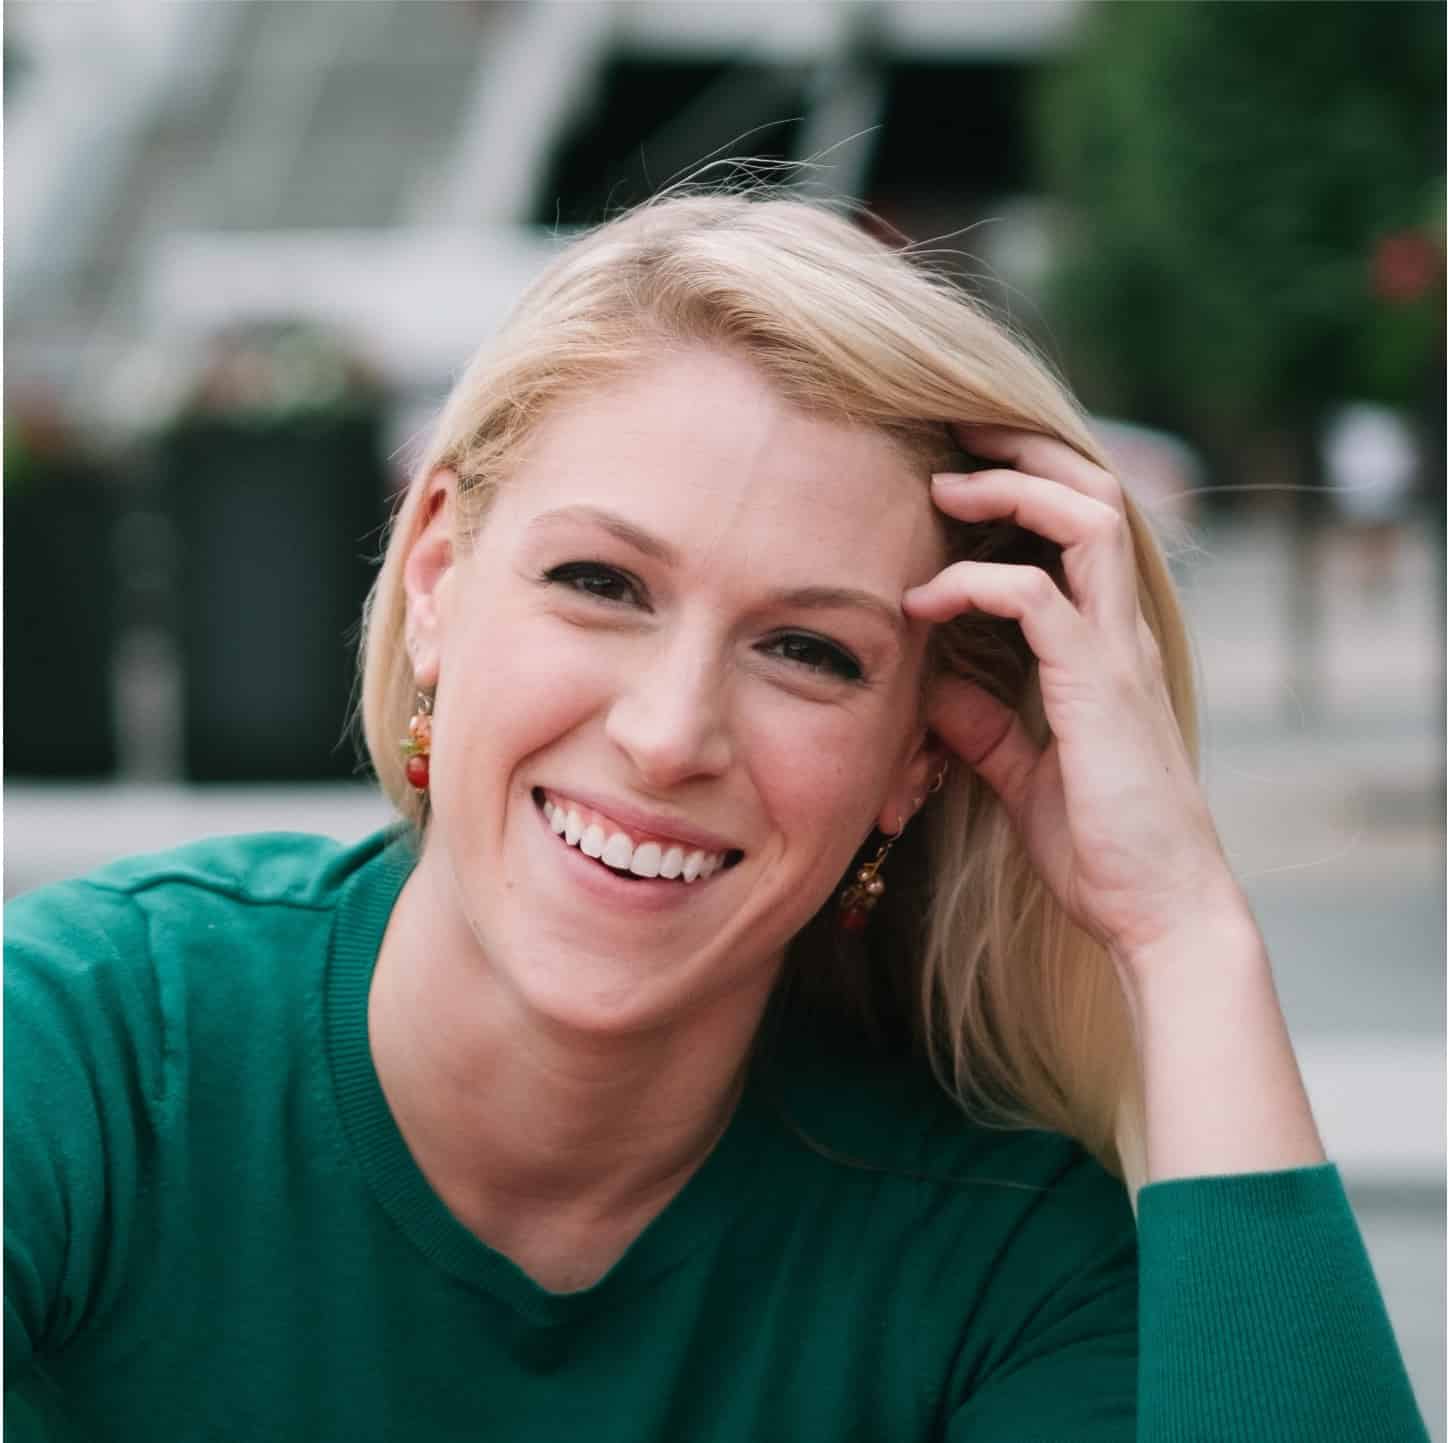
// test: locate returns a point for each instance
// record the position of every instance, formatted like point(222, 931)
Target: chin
point(573, 985)
point(593, 1000)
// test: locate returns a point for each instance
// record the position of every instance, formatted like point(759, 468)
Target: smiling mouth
point(626, 854)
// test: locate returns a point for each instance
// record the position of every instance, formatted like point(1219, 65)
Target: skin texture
point(558, 1058)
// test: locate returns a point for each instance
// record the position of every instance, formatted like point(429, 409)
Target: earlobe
point(922, 773)
point(425, 574)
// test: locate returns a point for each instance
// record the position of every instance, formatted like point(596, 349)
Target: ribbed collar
point(696, 1215)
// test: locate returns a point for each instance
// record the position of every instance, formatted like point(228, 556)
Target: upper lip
point(646, 822)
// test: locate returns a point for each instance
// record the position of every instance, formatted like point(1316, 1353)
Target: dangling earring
point(859, 898)
point(417, 747)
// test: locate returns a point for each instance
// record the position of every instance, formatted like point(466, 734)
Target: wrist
point(1221, 1088)
point(1215, 934)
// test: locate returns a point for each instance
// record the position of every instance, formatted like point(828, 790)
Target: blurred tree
point(1256, 202)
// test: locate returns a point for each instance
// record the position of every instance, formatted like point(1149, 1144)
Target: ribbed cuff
point(1261, 1318)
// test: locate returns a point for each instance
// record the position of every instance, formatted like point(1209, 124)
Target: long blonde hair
point(1019, 1011)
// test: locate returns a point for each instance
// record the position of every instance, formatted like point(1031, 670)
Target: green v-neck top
point(702, 1209)
point(215, 1230)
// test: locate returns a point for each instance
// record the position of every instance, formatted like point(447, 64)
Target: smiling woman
point(700, 589)
point(804, 944)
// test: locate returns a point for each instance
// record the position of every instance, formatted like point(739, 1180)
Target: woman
point(599, 1100)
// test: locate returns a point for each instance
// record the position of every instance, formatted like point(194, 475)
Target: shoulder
point(985, 1244)
point(891, 1120)
point(286, 868)
point(104, 944)
point(266, 869)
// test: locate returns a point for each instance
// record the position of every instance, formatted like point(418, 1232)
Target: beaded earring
point(857, 900)
point(417, 746)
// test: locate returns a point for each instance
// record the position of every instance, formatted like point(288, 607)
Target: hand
point(1110, 811)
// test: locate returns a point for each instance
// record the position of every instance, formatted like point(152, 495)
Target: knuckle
point(1115, 493)
point(1128, 674)
point(1111, 525)
point(1108, 488)
point(1037, 587)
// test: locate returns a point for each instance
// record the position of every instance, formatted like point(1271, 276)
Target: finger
point(1053, 628)
point(1095, 539)
point(1041, 456)
point(986, 735)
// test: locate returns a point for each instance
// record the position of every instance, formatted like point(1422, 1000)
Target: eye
point(814, 653)
point(594, 578)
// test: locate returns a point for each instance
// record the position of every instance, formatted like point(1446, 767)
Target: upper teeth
point(596, 836)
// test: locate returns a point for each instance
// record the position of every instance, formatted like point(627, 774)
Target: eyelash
point(830, 658)
point(576, 575)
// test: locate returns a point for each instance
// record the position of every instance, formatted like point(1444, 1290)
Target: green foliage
point(1229, 169)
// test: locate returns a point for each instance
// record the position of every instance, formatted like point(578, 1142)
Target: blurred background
point(248, 246)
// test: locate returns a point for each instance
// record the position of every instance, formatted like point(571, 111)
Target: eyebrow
point(808, 598)
point(642, 541)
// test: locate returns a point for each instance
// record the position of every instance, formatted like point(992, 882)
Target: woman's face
point(677, 637)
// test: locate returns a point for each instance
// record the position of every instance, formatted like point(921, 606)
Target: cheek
point(820, 779)
point(498, 703)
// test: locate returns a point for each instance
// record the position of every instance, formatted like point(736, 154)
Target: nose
point(669, 716)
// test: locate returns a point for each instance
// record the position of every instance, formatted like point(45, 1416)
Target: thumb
point(986, 735)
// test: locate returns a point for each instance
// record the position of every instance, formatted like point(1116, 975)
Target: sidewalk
point(1336, 831)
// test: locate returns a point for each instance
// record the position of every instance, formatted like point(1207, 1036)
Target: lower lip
point(643, 894)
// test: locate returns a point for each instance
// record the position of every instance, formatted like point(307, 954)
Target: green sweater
point(214, 1230)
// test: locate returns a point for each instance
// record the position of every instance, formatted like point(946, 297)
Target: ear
point(426, 574)
point(913, 778)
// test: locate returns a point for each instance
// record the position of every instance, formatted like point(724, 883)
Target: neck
point(507, 1112)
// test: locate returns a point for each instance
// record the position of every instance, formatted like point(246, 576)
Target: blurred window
point(654, 121)
point(954, 132)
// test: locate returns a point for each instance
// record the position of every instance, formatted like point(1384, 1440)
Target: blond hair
point(1020, 1012)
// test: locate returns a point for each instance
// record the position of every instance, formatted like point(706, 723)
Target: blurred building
point(399, 168)
point(190, 188)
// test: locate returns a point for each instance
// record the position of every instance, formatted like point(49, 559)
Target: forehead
point(701, 451)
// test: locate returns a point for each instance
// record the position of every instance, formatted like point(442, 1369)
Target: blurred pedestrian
point(1372, 461)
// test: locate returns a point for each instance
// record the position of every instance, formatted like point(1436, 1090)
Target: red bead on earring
point(868, 886)
point(857, 900)
point(417, 747)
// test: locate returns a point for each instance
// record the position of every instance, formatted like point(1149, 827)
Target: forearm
point(1221, 1088)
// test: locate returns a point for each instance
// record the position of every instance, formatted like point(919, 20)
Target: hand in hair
point(1109, 809)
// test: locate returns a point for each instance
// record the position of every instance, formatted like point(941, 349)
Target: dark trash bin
point(60, 608)
point(276, 519)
